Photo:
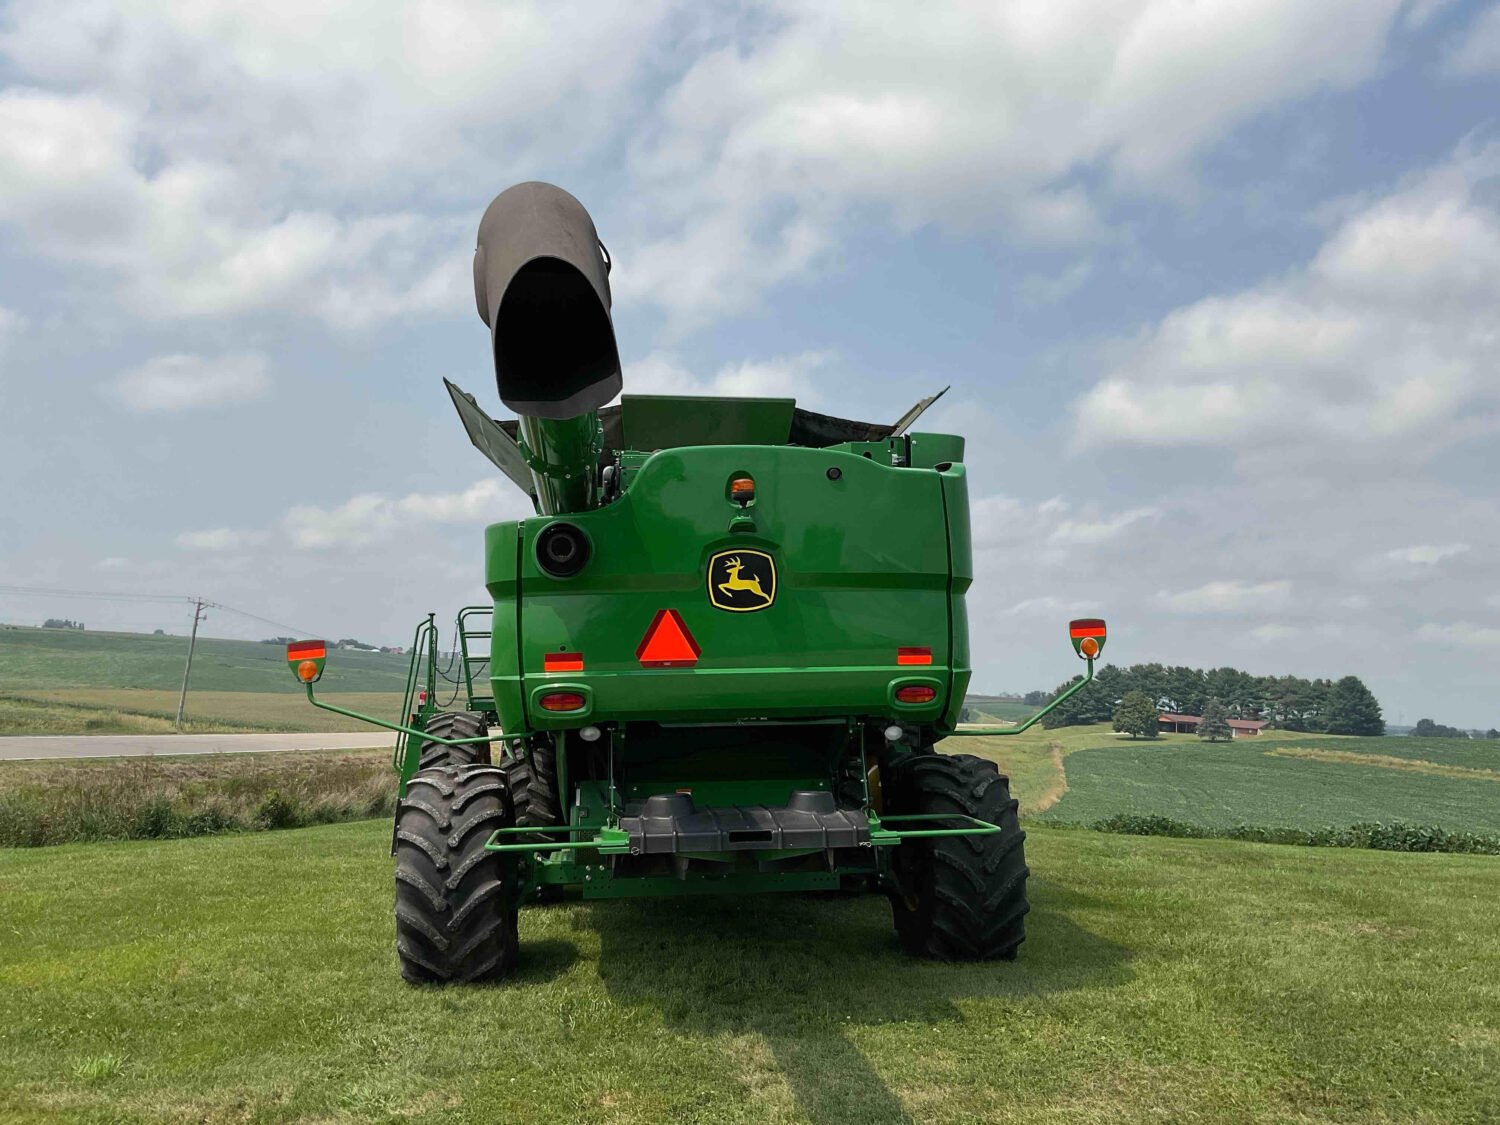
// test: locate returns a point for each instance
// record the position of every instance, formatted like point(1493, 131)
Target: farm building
point(1188, 724)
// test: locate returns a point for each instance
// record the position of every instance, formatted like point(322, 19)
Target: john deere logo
point(742, 581)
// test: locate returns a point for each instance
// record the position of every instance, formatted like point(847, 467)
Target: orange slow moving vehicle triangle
point(668, 643)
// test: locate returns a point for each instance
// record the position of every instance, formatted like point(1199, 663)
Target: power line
point(263, 620)
point(101, 595)
point(105, 595)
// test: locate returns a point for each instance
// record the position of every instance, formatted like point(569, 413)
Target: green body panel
point(863, 568)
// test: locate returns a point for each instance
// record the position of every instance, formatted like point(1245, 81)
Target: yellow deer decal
point(735, 582)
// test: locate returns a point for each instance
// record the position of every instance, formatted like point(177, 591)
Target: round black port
point(835, 473)
point(562, 550)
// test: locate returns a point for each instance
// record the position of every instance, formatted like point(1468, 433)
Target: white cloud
point(1426, 554)
point(1227, 596)
point(187, 382)
point(1269, 634)
point(971, 117)
point(793, 376)
point(1477, 49)
point(371, 517)
point(221, 539)
point(224, 157)
point(1050, 607)
point(1073, 533)
point(1385, 341)
point(12, 324)
point(1461, 633)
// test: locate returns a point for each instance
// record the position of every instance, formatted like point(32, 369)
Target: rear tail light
point(916, 693)
point(562, 701)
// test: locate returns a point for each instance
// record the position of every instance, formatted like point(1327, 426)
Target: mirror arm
point(412, 731)
point(998, 732)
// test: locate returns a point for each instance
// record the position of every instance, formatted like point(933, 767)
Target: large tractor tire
point(454, 724)
point(532, 779)
point(455, 902)
point(958, 898)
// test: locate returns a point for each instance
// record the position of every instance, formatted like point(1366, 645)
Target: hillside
point(65, 658)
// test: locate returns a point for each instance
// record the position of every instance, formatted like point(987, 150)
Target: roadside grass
point(252, 978)
point(148, 711)
point(58, 802)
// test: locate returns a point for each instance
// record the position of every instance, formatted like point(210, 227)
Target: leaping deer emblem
point(734, 582)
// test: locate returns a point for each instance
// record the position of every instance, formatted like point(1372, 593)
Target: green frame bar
point(881, 836)
point(608, 841)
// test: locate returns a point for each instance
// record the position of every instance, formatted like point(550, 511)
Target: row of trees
point(1345, 706)
point(62, 623)
point(1426, 728)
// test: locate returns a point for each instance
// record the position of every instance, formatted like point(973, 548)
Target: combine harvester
point(717, 659)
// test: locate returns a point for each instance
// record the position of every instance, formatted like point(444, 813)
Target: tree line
point(1344, 706)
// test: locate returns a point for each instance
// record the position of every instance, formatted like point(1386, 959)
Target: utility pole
point(198, 615)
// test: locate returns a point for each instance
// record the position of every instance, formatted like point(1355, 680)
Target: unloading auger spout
point(541, 281)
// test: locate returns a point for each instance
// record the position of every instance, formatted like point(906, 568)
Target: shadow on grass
point(802, 971)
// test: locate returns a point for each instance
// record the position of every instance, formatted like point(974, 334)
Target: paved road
point(24, 747)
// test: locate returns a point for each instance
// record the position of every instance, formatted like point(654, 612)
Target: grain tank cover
point(542, 285)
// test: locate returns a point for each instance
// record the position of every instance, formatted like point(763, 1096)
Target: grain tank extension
point(716, 661)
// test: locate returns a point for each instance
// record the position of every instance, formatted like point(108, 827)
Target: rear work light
point(562, 701)
point(916, 693)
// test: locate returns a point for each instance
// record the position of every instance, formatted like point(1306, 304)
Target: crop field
point(253, 978)
point(55, 681)
point(1292, 781)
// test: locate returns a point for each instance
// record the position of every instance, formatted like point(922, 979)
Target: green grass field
point(252, 978)
point(57, 681)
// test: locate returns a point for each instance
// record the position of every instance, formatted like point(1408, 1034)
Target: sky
point(1215, 286)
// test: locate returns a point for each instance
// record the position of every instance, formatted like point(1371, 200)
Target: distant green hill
point(66, 658)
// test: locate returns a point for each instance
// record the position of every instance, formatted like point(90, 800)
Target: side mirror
point(1088, 635)
point(306, 659)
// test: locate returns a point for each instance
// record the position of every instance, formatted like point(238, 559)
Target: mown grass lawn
point(251, 978)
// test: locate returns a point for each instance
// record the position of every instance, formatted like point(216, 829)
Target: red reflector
point(562, 662)
point(667, 643)
point(1086, 627)
point(562, 701)
point(916, 693)
point(914, 654)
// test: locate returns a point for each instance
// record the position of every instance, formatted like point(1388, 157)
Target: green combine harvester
point(716, 661)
